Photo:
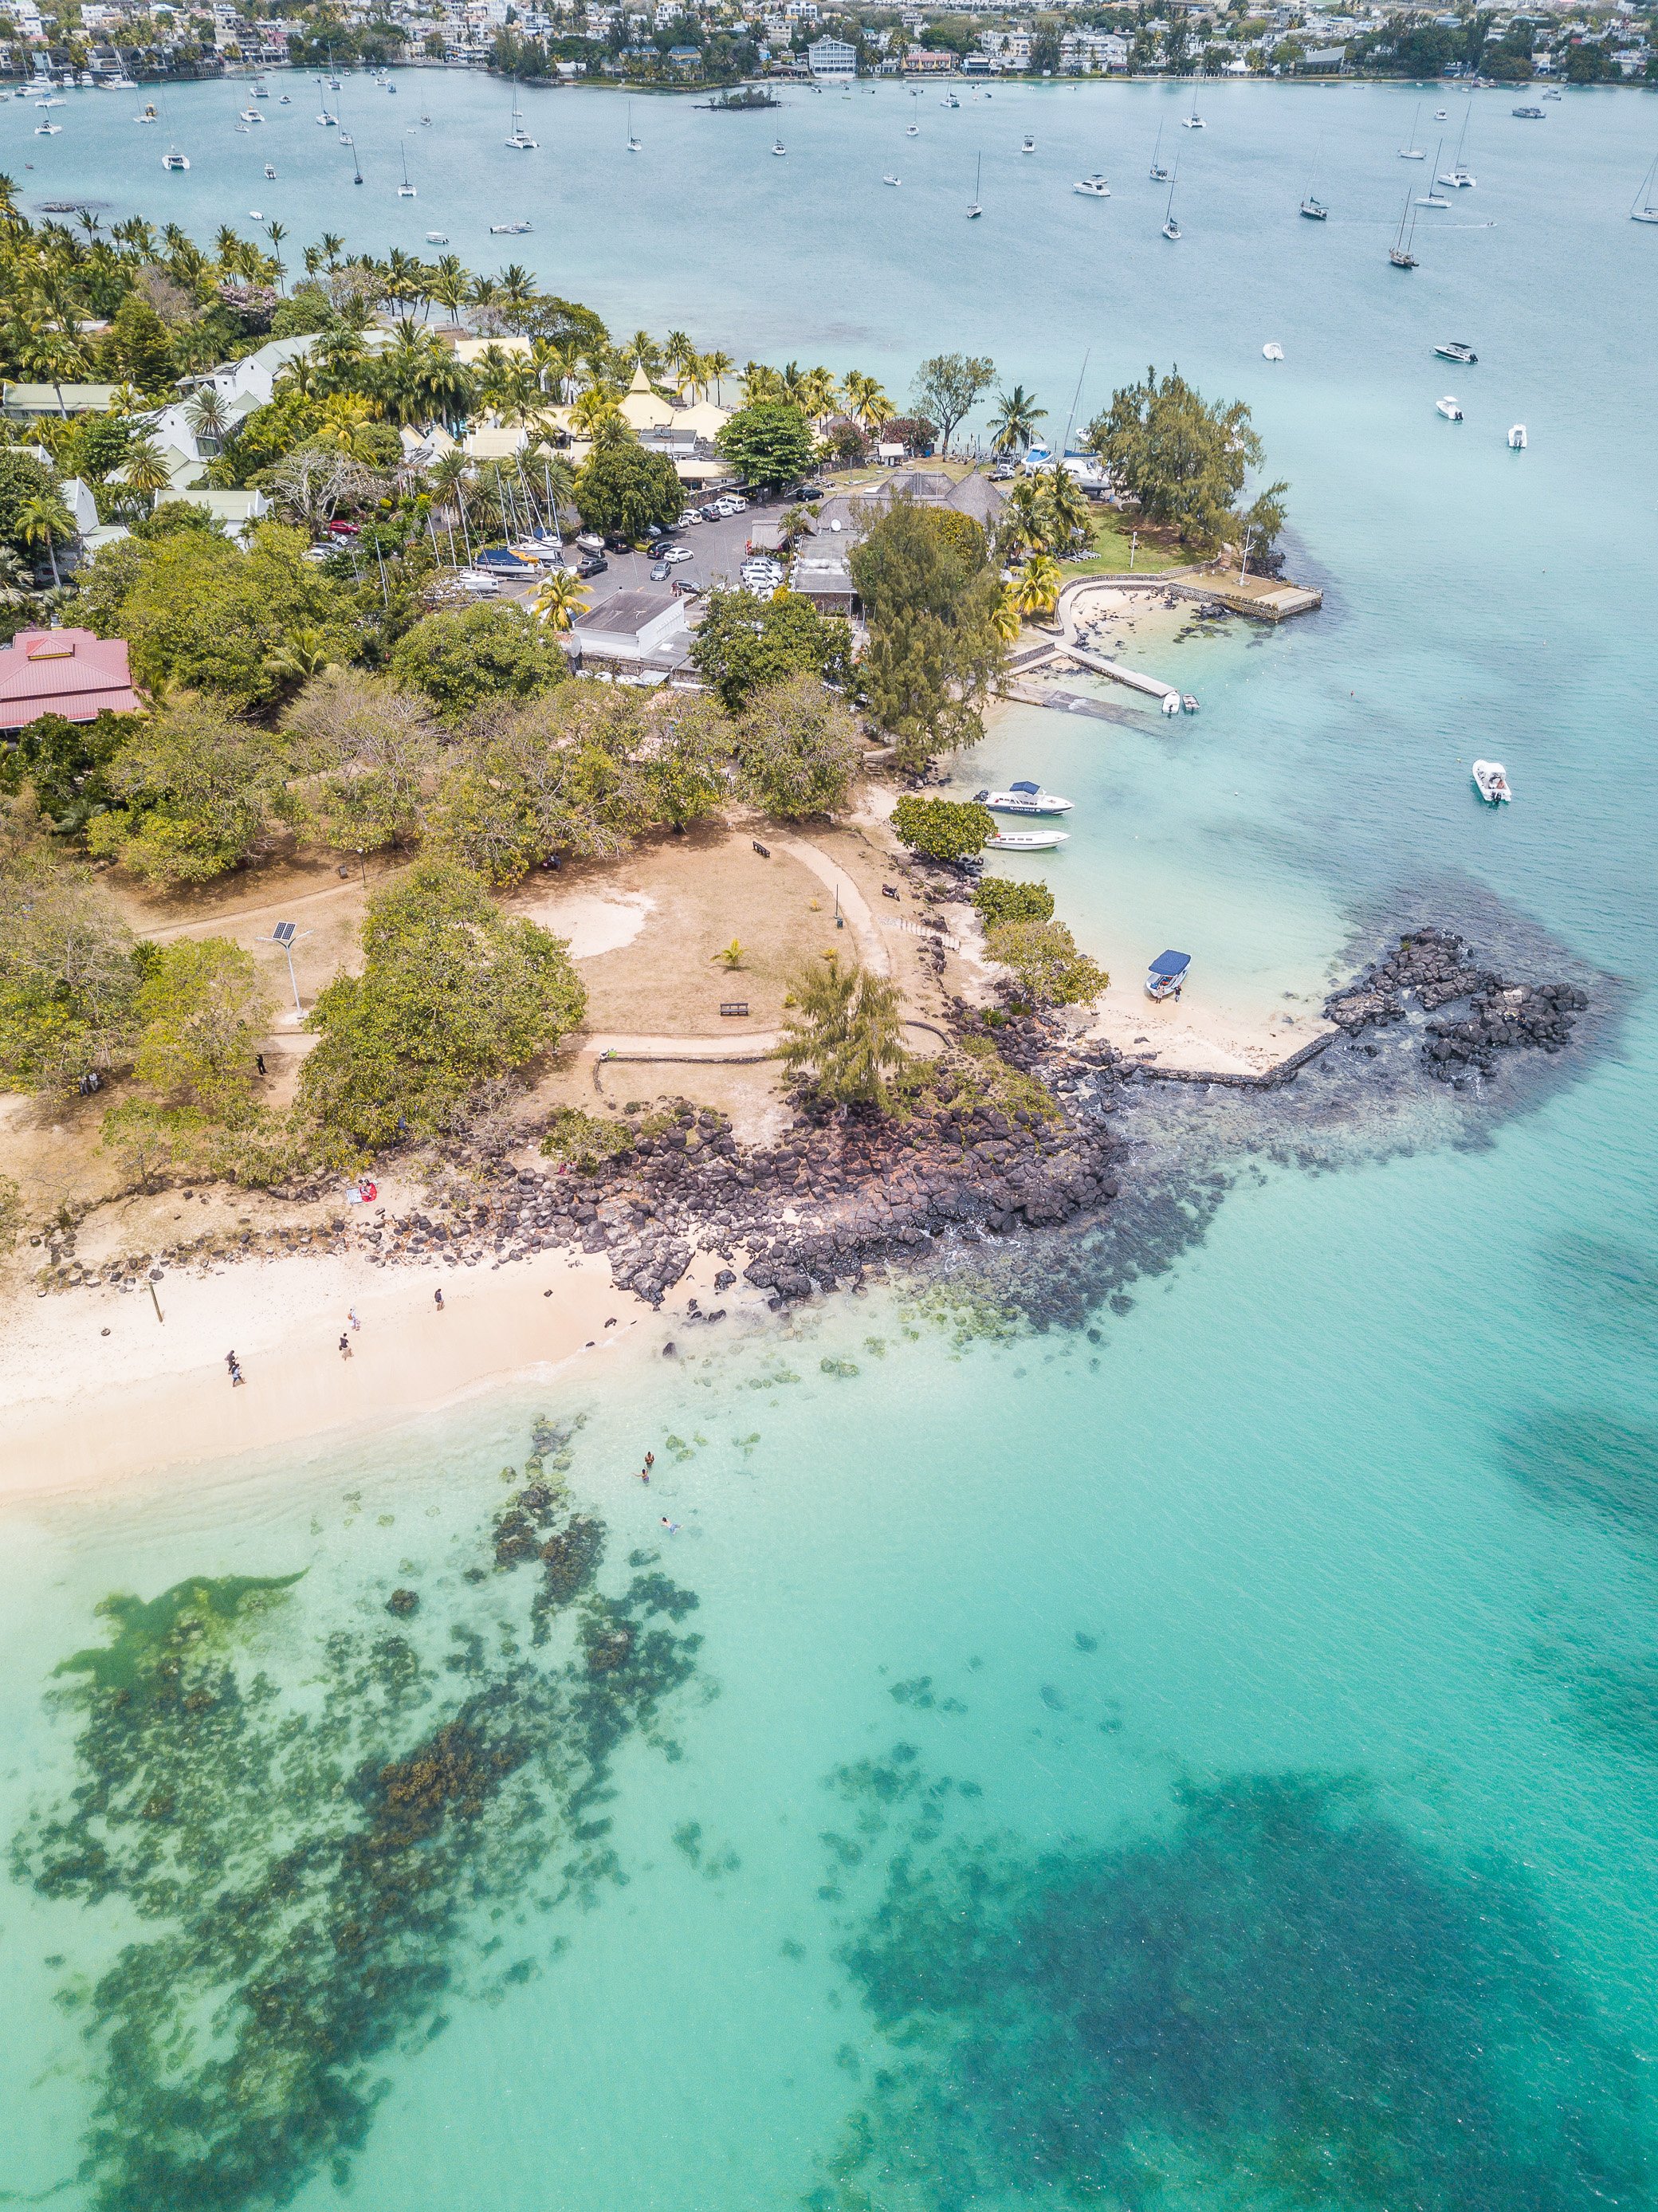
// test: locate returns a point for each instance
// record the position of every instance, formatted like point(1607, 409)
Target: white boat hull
point(1020, 802)
point(1491, 781)
point(1025, 840)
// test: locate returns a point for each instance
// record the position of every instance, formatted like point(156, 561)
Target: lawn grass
point(1113, 539)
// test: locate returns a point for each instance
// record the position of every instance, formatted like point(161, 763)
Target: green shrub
point(999, 900)
point(942, 829)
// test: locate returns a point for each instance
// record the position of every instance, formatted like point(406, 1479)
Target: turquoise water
point(1212, 1765)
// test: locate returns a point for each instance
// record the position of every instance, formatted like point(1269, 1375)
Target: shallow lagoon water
point(1360, 1487)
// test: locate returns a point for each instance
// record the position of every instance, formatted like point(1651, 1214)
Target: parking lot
point(718, 550)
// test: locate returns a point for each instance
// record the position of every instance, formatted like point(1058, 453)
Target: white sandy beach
point(78, 1407)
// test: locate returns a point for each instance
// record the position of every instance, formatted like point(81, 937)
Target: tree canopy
point(451, 992)
point(942, 829)
point(194, 793)
point(1183, 461)
point(1045, 964)
point(949, 385)
point(844, 1038)
point(770, 443)
point(622, 489)
point(744, 643)
point(464, 656)
point(931, 597)
point(798, 748)
point(68, 983)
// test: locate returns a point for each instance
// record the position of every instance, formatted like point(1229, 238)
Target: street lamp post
point(287, 934)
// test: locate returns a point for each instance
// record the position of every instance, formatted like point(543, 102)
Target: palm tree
point(1015, 421)
point(715, 368)
point(144, 470)
point(592, 410)
point(45, 520)
point(1070, 517)
point(332, 245)
point(52, 358)
point(518, 289)
point(1036, 587)
point(641, 351)
point(1006, 618)
point(679, 356)
point(449, 288)
point(208, 415)
point(275, 232)
point(760, 383)
point(559, 596)
point(1026, 525)
point(864, 400)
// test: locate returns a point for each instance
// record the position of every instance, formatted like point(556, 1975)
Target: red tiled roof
point(64, 672)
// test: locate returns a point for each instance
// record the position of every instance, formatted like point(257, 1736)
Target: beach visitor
point(650, 1459)
point(437, 1299)
point(672, 1527)
point(351, 1316)
point(258, 1061)
point(345, 1346)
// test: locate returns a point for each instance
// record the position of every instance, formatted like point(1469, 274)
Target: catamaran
point(172, 159)
point(520, 141)
point(1457, 175)
point(1194, 121)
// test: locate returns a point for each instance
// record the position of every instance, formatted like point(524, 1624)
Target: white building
point(832, 57)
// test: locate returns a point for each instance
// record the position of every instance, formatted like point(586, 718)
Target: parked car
point(691, 514)
point(591, 564)
point(672, 553)
point(735, 505)
point(659, 572)
point(340, 528)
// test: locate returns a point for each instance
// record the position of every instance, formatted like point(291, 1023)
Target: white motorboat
point(1092, 188)
point(890, 179)
point(1024, 798)
point(1491, 779)
point(255, 215)
point(269, 173)
point(1271, 350)
point(1029, 145)
point(1457, 350)
point(1025, 840)
point(1440, 114)
point(284, 99)
point(437, 237)
point(172, 159)
point(1449, 408)
point(507, 229)
point(149, 115)
point(1516, 437)
point(1166, 977)
point(1527, 114)
point(778, 148)
point(912, 130)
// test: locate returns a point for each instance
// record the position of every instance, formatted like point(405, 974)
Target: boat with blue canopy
point(1167, 973)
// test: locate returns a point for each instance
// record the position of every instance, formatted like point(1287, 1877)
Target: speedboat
point(1491, 779)
point(1025, 840)
point(1457, 350)
point(1092, 188)
point(1449, 408)
point(1271, 350)
point(1314, 210)
point(1023, 798)
point(1165, 978)
point(149, 115)
point(509, 229)
point(1029, 145)
point(284, 99)
point(271, 173)
point(437, 237)
point(1527, 114)
point(890, 179)
point(1439, 114)
point(778, 147)
point(1517, 437)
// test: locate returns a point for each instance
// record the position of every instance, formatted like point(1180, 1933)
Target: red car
point(338, 529)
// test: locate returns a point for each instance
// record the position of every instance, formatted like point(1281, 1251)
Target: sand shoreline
point(78, 1407)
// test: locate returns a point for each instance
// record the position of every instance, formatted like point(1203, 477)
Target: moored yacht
point(1024, 798)
point(1491, 779)
point(1026, 840)
point(1450, 408)
point(1092, 188)
point(1314, 210)
point(1457, 350)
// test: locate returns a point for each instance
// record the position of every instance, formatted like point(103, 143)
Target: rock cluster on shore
point(1433, 967)
point(1019, 1137)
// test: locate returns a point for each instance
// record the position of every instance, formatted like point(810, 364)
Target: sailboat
point(1413, 152)
point(1645, 209)
point(1194, 121)
point(520, 141)
point(912, 130)
point(1312, 207)
point(356, 166)
point(1433, 197)
point(1456, 175)
point(975, 211)
point(1399, 253)
point(634, 144)
point(1159, 175)
point(1170, 228)
point(779, 148)
point(406, 190)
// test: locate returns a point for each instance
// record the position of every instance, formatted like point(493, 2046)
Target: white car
point(734, 506)
point(672, 553)
point(720, 510)
point(689, 516)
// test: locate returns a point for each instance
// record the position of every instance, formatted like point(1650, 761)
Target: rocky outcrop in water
point(1433, 968)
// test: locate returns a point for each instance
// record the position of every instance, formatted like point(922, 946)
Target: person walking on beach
point(236, 1377)
point(351, 1316)
point(437, 1299)
point(345, 1344)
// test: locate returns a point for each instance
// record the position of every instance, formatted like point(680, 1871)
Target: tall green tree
point(196, 794)
point(931, 596)
point(798, 748)
point(202, 1010)
point(465, 656)
point(770, 443)
point(451, 992)
point(68, 984)
point(621, 489)
point(525, 784)
point(744, 643)
point(367, 755)
point(949, 385)
point(1181, 460)
point(844, 1039)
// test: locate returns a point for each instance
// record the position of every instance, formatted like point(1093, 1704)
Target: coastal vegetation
point(942, 829)
point(931, 594)
point(844, 1040)
point(1183, 460)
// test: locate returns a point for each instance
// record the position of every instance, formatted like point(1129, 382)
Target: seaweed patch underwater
point(1283, 2000)
point(299, 1843)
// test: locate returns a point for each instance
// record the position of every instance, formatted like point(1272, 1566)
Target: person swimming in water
point(672, 1527)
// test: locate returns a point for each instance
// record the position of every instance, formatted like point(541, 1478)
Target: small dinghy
point(1517, 437)
point(1166, 977)
point(1024, 798)
point(1272, 351)
point(1025, 840)
point(1449, 408)
point(1491, 779)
